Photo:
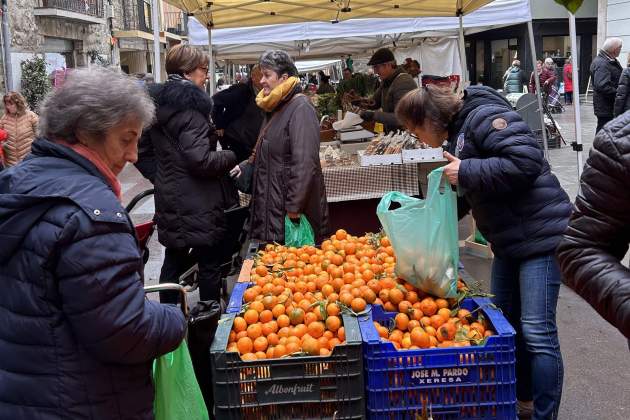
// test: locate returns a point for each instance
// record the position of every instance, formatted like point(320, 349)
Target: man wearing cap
point(395, 83)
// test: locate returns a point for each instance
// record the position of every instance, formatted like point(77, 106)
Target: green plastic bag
point(299, 234)
point(424, 236)
point(177, 393)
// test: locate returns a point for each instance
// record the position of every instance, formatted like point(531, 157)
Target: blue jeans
point(527, 293)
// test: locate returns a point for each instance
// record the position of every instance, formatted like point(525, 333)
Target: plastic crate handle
point(236, 299)
point(496, 317)
point(366, 325)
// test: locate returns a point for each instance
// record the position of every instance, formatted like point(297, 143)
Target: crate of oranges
point(453, 358)
point(288, 346)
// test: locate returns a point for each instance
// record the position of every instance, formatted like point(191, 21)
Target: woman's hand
point(451, 171)
point(235, 172)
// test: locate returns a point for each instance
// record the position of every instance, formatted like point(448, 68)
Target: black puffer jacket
point(598, 235)
point(605, 72)
point(518, 204)
point(622, 98)
point(78, 335)
point(235, 111)
point(192, 185)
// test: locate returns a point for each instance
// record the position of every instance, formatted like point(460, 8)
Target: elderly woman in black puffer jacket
point(192, 185)
point(598, 235)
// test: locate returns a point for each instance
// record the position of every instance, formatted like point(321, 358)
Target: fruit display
point(394, 142)
point(295, 304)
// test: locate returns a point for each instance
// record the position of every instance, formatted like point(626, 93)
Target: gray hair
point(94, 101)
point(516, 63)
point(612, 44)
point(278, 61)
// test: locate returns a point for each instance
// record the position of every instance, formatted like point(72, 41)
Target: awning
point(239, 13)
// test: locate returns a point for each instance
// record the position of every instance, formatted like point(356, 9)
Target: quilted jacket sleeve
point(146, 163)
point(622, 93)
point(304, 144)
point(98, 271)
point(193, 133)
point(597, 238)
point(514, 158)
point(602, 80)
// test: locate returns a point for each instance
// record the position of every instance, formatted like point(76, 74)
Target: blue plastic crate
point(476, 382)
point(236, 298)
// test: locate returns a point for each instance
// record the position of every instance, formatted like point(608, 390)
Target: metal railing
point(174, 23)
point(86, 7)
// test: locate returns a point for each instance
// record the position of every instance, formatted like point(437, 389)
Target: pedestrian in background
point(20, 123)
point(567, 76)
point(522, 210)
point(79, 337)
point(535, 73)
point(605, 73)
point(237, 117)
point(287, 179)
point(514, 78)
point(622, 97)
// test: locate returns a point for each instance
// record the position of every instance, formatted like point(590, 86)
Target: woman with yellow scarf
point(287, 172)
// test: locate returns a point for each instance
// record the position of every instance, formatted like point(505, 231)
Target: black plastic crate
point(309, 387)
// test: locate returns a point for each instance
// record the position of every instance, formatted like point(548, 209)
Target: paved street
point(596, 356)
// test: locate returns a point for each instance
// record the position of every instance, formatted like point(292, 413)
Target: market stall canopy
point(314, 65)
point(357, 36)
point(217, 14)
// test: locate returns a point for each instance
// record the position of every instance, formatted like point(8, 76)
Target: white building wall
point(618, 24)
point(549, 9)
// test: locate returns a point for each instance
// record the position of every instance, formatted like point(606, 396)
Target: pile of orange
point(424, 321)
point(295, 304)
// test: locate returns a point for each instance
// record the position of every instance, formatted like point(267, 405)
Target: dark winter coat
point(192, 185)
point(597, 238)
point(387, 97)
point(518, 204)
point(605, 73)
point(514, 79)
point(622, 97)
point(235, 111)
point(78, 335)
point(288, 174)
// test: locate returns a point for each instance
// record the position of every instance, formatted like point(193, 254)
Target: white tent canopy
point(306, 66)
point(355, 36)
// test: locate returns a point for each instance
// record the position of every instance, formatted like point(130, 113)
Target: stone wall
point(25, 36)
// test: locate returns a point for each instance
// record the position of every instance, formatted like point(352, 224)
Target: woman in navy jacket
point(78, 335)
point(501, 175)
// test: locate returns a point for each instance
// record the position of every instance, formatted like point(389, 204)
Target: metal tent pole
point(462, 50)
point(530, 29)
point(577, 144)
point(155, 22)
point(211, 66)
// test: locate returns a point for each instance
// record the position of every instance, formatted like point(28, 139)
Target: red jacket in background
point(567, 75)
point(3, 137)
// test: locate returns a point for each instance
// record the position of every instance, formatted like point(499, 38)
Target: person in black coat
point(237, 117)
point(519, 207)
point(192, 185)
point(597, 238)
point(605, 73)
point(78, 335)
point(622, 98)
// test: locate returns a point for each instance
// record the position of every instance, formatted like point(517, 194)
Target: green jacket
point(387, 97)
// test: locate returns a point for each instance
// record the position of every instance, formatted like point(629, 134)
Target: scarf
point(277, 95)
point(96, 160)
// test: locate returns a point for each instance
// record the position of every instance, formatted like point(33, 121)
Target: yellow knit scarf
point(269, 102)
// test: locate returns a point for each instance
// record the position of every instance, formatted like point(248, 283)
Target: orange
point(249, 295)
point(441, 303)
point(299, 330)
point(284, 332)
point(374, 285)
point(245, 345)
point(323, 342)
point(358, 304)
point(420, 338)
point(367, 275)
point(241, 335)
point(265, 316)
point(277, 310)
point(396, 335)
point(437, 321)
point(431, 331)
point(283, 321)
point(413, 324)
point(297, 316)
point(341, 333)
point(273, 339)
point(341, 234)
point(270, 352)
point(249, 357)
point(324, 352)
point(261, 270)
point(446, 332)
point(333, 323)
point(384, 295)
point(279, 351)
point(477, 326)
point(396, 296)
point(292, 347)
point(310, 318)
point(346, 298)
point(404, 307)
point(402, 321)
point(254, 331)
point(389, 307)
point(464, 316)
point(260, 344)
point(406, 342)
point(444, 313)
point(316, 329)
point(333, 342)
point(328, 289)
point(428, 306)
point(257, 306)
point(310, 346)
point(251, 316)
point(332, 309)
point(369, 295)
point(240, 324)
